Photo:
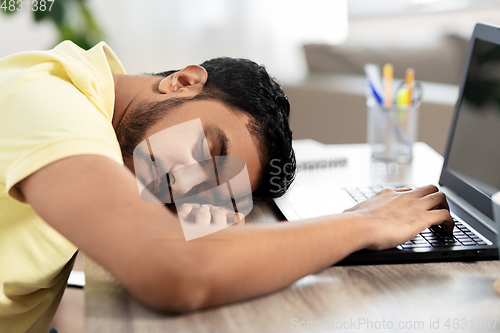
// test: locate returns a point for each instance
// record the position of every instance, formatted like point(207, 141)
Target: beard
point(137, 121)
point(132, 129)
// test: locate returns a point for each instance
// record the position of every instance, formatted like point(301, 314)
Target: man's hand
point(209, 214)
point(399, 215)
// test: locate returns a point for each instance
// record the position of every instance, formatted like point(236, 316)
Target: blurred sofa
point(438, 61)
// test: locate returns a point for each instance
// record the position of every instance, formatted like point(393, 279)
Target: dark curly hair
point(245, 86)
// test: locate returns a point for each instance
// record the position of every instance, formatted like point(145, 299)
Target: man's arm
point(94, 202)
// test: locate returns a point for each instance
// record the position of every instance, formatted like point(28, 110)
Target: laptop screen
point(472, 160)
point(474, 154)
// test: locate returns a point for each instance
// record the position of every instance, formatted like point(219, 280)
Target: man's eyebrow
point(221, 138)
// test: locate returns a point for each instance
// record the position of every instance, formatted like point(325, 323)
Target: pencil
point(410, 78)
point(388, 73)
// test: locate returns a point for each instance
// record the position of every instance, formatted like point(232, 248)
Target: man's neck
point(127, 89)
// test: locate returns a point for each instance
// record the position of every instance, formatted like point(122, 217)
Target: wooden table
point(449, 297)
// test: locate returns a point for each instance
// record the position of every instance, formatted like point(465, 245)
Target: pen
point(372, 72)
point(388, 73)
point(375, 93)
point(410, 78)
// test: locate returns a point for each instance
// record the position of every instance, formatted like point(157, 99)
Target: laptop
point(469, 177)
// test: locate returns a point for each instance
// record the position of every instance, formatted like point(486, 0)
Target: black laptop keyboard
point(431, 237)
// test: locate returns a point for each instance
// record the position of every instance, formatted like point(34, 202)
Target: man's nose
point(184, 178)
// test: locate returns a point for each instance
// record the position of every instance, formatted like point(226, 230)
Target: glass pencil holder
point(392, 131)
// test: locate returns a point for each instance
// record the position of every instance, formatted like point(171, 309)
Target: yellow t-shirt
point(53, 104)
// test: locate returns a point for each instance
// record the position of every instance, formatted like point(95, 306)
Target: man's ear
point(192, 78)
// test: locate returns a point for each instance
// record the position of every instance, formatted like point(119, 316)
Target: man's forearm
point(266, 258)
point(243, 262)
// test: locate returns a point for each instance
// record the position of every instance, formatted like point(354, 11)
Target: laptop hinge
point(469, 209)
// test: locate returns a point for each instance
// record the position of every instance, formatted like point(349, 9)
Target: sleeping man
point(90, 156)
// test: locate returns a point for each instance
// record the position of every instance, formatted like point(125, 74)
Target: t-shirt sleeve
point(45, 118)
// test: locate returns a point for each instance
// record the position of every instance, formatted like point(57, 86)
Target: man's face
point(225, 133)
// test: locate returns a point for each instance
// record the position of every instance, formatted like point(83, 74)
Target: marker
point(410, 79)
point(402, 97)
point(388, 73)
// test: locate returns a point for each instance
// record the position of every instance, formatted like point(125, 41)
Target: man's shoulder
point(54, 104)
